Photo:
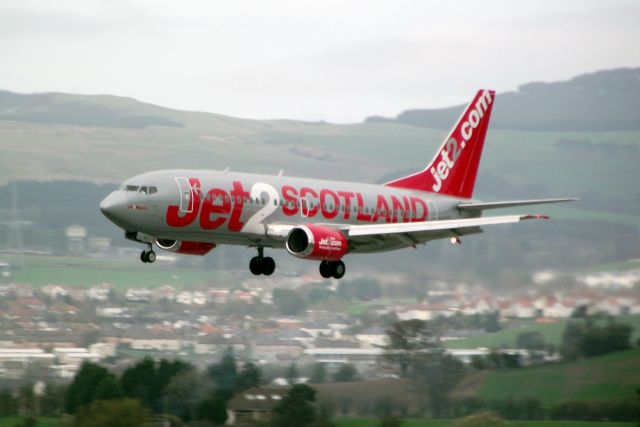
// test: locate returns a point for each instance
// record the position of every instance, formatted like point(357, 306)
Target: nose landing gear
point(261, 264)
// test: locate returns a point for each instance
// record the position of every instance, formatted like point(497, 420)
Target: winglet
point(454, 169)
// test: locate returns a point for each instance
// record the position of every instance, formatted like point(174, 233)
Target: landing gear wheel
point(268, 266)
point(325, 269)
point(261, 264)
point(255, 266)
point(338, 269)
point(148, 256)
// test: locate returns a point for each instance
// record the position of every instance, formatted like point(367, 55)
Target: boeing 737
point(193, 211)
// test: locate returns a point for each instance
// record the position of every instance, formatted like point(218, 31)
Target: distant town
point(48, 331)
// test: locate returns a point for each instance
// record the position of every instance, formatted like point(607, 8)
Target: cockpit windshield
point(146, 189)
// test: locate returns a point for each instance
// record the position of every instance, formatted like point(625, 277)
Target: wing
point(380, 237)
point(383, 237)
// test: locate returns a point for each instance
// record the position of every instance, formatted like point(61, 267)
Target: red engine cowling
point(316, 242)
point(185, 247)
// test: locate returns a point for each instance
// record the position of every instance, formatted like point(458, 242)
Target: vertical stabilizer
point(453, 170)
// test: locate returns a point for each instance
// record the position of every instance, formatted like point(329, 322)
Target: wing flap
point(510, 204)
point(435, 226)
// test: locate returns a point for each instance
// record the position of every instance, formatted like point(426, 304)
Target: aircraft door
point(186, 195)
point(304, 207)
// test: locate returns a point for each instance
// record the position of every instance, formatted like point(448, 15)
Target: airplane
point(193, 211)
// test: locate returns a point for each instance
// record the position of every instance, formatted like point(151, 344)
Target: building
point(255, 404)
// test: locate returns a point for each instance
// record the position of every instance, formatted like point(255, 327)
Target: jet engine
point(316, 242)
point(185, 247)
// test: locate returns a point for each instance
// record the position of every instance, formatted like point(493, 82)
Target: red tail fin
point(454, 169)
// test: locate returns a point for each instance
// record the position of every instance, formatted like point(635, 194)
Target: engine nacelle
point(316, 242)
point(185, 247)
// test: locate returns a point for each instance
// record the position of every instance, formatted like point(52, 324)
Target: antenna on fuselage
point(280, 173)
point(226, 170)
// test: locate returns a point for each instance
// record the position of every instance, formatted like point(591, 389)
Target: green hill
point(612, 377)
point(551, 332)
point(600, 101)
point(106, 139)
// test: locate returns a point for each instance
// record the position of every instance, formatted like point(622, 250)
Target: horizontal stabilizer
point(510, 204)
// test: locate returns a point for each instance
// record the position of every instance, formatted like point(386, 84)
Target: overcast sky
point(333, 60)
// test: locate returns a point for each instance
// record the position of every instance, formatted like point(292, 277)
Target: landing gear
point(148, 255)
point(335, 269)
point(261, 264)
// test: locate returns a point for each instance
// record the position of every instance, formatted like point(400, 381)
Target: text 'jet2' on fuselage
point(193, 211)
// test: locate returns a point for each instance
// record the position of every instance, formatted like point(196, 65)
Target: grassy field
point(613, 376)
point(552, 333)
point(122, 273)
point(367, 422)
point(42, 422)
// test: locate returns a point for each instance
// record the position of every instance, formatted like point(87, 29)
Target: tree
point(297, 408)
point(112, 413)
point(433, 373)
point(588, 338)
point(346, 373)
point(108, 388)
point(82, 389)
point(292, 373)
point(147, 380)
point(225, 375)
point(492, 322)
point(318, 373)
point(406, 339)
point(184, 392)
point(138, 381)
point(288, 301)
point(8, 403)
point(436, 374)
point(530, 340)
point(52, 401)
point(249, 376)
point(213, 409)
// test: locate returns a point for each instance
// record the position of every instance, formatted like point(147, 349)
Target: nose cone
point(114, 207)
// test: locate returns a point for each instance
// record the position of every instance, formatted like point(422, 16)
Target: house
point(54, 291)
point(424, 312)
point(210, 344)
point(255, 404)
point(276, 350)
point(373, 336)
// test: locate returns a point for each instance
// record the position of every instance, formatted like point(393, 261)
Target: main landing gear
point(148, 255)
point(335, 269)
point(261, 264)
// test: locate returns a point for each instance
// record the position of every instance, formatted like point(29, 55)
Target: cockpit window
point(146, 189)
